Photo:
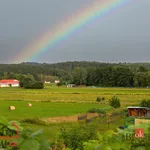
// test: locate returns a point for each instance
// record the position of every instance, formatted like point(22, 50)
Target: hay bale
point(11, 108)
point(29, 105)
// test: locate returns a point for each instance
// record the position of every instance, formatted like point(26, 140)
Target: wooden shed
point(139, 111)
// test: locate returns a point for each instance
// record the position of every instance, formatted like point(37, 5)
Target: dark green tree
point(80, 75)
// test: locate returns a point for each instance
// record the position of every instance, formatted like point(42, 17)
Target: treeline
point(112, 77)
point(83, 73)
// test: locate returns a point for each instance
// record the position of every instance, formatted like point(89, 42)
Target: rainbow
point(97, 9)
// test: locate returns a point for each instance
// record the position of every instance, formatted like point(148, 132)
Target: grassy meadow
point(61, 101)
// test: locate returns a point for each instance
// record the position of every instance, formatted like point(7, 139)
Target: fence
point(82, 117)
point(104, 120)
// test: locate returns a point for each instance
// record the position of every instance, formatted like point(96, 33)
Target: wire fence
point(104, 120)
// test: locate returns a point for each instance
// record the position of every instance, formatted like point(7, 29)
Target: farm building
point(139, 111)
point(9, 83)
point(71, 85)
point(57, 81)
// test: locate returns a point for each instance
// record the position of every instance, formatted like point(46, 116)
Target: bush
point(59, 84)
point(38, 85)
point(145, 103)
point(114, 102)
point(75, 137)
point(99, 99)
point(103, 98)
point(97, 110)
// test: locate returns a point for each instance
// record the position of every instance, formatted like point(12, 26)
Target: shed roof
point(138, 107)
point(9, 81)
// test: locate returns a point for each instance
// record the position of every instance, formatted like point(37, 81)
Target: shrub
point(59, 84)
point(103, 98)
point(99, 99)
point(75, 137)
point(114, 102)
point(97, 110)
point(38, 85)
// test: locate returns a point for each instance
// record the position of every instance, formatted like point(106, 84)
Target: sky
point(121, 36)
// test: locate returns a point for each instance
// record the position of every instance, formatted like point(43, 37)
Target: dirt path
point(68, 118)
point(61, 119)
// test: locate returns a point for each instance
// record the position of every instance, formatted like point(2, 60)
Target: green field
point(44, 109)
point(61, 101)
point(77, 95)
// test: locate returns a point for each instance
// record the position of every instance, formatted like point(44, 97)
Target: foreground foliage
point(120, 140)
point(27, 140)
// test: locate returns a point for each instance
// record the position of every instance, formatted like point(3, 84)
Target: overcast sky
point(121, 36)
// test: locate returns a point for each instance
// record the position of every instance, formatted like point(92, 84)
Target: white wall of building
point(8, 85)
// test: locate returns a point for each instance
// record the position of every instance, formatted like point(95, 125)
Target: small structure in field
point(57, 81)
point(29, 105)
point(47, 82)
point(9, 83)
point(139, 111)
point(11, 108)
point(71, 85)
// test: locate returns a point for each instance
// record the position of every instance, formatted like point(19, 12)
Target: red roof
point(9, 81)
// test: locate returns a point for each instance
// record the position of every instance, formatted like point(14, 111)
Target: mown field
point(44, 109)
point(128, 96)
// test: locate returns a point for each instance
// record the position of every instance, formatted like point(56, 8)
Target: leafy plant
point(114, 102)
point(32, 141)
point(27, 140)
point(7, 129)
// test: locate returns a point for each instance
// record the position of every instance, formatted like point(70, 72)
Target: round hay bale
point(29, 105)
point(11, 108)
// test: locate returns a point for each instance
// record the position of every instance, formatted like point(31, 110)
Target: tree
point(91, 76)
point(28, 83)
point(80, 75)
point(123, 77)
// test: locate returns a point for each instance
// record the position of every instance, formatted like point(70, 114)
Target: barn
point(9, 83)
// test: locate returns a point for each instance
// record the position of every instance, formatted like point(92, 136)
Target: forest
point(82, 73)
